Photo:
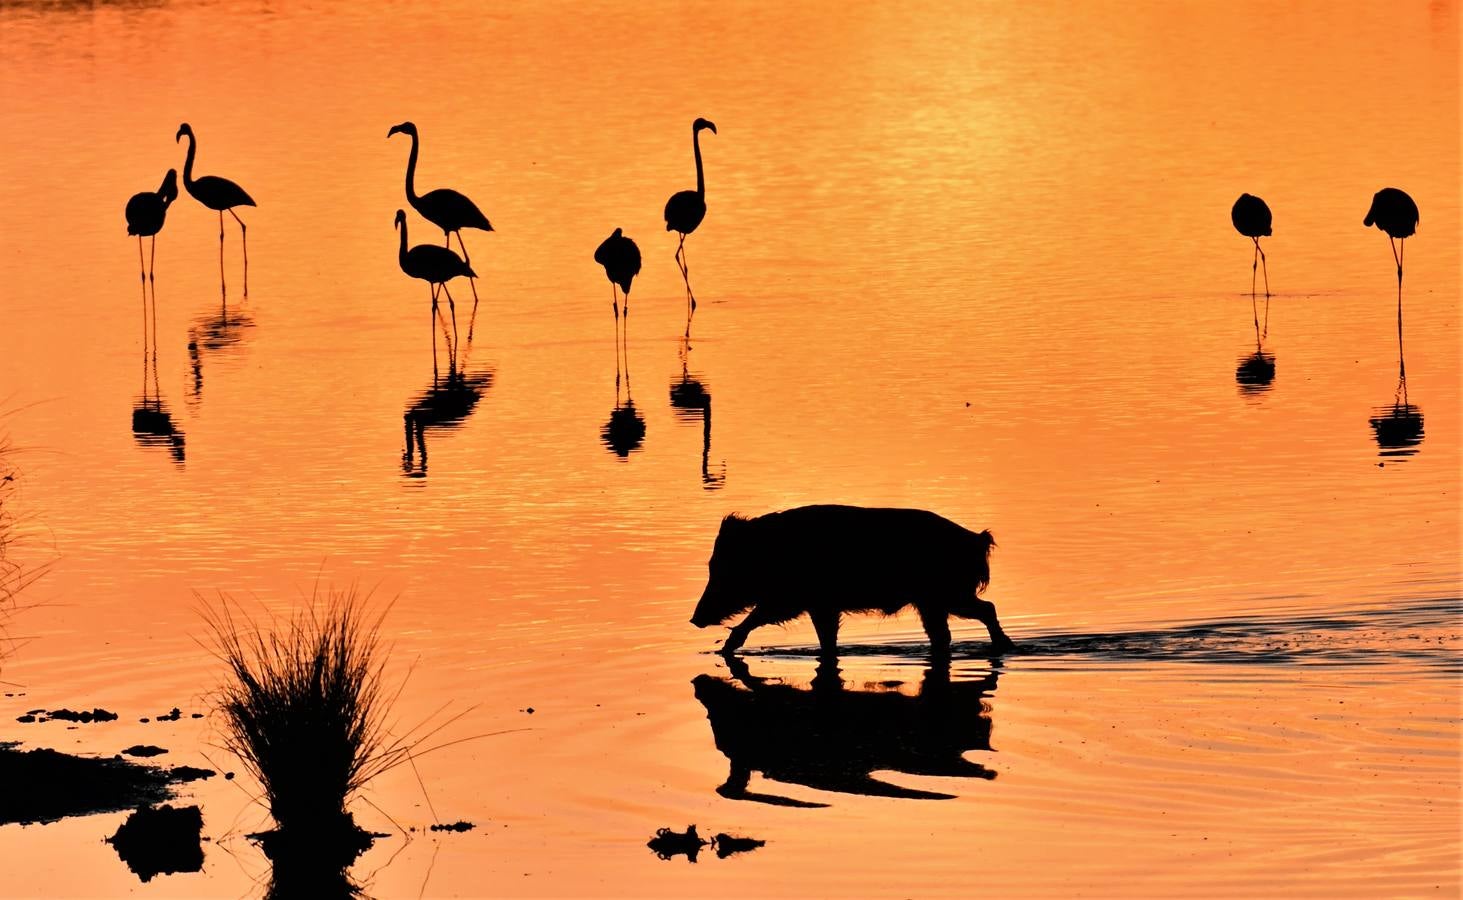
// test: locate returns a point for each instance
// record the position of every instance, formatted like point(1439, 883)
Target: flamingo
point(621, 260)
point(444, 207)
point(1251, 218)
point(684, 212)
point(218, 194)
point(1394, 212)
point(434, 265)
point(146, 212)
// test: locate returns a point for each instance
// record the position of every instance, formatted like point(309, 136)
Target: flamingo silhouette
point(217, 194)
point(684, 212)
point(434, 265)
point(1251, 218)
point(146, 212)
point(621, 260)
point(444, 207)
point(1394, 212)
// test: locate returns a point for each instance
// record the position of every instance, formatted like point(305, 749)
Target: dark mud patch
point(44, 785)
point(84, 717)
point(40, 786)
point(144, 750)
point(161, 840)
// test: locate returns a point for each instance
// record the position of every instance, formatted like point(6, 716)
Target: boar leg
point(755, 619)
point(985, 612)
point(825, 623)
point(938, 628)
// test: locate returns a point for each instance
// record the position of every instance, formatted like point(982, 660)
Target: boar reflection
point(833, 739)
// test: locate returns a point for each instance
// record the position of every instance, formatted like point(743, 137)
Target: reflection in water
point(691, 401)
point(444, 405)
point(220, 332)
point(833, 739)
point(1398, 427)
point(684, 212)
point(1256, 370)
point(625, 431)
point(152, 422)
point(218, 194)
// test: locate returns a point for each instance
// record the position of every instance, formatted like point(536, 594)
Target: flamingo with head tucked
point(217, 194)
point(1251, 218)
point(146, 212)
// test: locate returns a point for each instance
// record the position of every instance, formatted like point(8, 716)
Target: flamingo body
point(620, 258)
point(146, 211)
point(1394, 212)
point(449, 210)
point(212, 191)
point(430, 263)
point(1251, 217)
point(685, 209)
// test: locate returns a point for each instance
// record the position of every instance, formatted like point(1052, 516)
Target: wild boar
point(829, 560)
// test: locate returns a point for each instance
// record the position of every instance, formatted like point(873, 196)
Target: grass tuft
point(304, 709)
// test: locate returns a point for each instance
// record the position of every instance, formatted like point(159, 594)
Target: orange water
point(970, 258)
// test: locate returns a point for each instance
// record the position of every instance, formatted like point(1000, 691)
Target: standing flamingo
point(1251, 218)
point(434, 265)
point(146, 212)
point(444, 207)
point(685, 210)
point(1395, 213)
point(218, 194)
point(621, 260)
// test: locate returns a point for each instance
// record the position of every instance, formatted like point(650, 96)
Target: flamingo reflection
point(221, 333)
point(443, 406)
point(1398, 427)
point(684, 212)
point(152, 422)
point(691, 401)
point(625, 430)
point(831, 738)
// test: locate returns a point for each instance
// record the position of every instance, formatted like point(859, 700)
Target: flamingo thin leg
point(244, 235)
point(222, 286)
point(1264, 267)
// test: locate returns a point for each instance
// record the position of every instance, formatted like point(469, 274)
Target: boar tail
point(987, 542)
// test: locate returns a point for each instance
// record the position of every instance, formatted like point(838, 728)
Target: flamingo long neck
point(411, 180)
point(401, 255)
point(188, 162)
point(696, 146)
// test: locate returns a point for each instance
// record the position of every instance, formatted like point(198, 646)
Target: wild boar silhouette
point(829, 560)
point(830, 738)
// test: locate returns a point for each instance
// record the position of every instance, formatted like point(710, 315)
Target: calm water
point(974, 258)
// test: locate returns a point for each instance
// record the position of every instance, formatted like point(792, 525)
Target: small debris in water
point(190, 773)
point(68, 715)
point(668, 843)
point(144, 750)
point(228, 776)
point(173, 716)
point(458, 826)
point(727, 844)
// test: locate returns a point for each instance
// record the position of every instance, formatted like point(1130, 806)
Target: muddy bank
point(38, 786)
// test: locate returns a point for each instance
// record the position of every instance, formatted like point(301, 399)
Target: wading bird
point(621, 260)
point(145, 214)
point(434, 265)
point(444, 207)
point(1395, 213)
point(685, 210)
point(217, 194)
point(1251, 218)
